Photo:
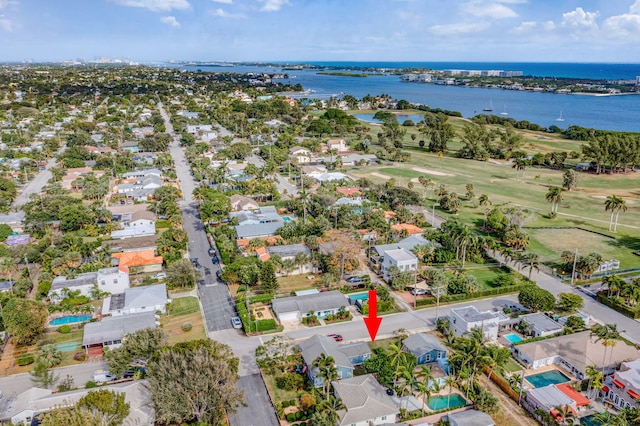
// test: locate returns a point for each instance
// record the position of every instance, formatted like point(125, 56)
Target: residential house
point(111, 331)
point(242, 203)
point(133, 232)
point(141, 218)
point(144, 261)
point(299, 155)
point(345, 357)
point(150, 298)
point(540, 325)
point(367, 402)
point(139, 189)
point(464, 320)
point(426, 347)
point(408, 243)
point(574, 352)
point(263, 222)
point(549, 397)
point(313, 170)
point(18, 239)
point(287, 253)
point(328, 177)
point(623, 388)
point(123, 213)
point(401, 258)
point(113, 280)
point(132, 244)
point(131, 146)
point(401, 228)
point(196, 129)
point(352, 192)
point(355, 159)
point(84, 283)
point(142, 173)
point(319, 304)
point(68, 181)
point(339, 145)
point(470, 418)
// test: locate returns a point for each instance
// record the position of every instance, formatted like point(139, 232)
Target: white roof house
point(83, 282)
point(549, 397)
point(470, 418)
point(36, 400)
point(542, 325)
point(320, 304)
point(465, 319)
point(401, 258)
point(624, 388)
point(111, 330)
point(366, 402)
point(150, 298)
point(140, 230)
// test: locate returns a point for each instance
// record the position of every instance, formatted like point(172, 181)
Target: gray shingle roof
point(420, 344)
point(364, 398)
point(150, 295)
point(472, 418)
point(81, 280)
point(542, 322)
point(258, 230)
point(471, 314)
point(407, 243)
point(310, 302)
point(289, 250)
point(112, 329)
point(318, 344)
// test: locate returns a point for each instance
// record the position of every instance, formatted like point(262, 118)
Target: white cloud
point(463, 28)
point(526, 27)
point(273, 5)
point(580, 20)
point(156, 5)
point(171, 21)
point(6, 24)
point(491, 10)
point(635, 8)
point(625, 25)
point(223, 1)
point(223, 14)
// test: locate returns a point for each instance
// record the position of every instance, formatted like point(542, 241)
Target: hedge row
point(451, 298)
point(613, 304)
point(250, 326)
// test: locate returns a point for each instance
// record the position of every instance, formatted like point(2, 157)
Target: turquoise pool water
point(286, 219)
point(547, 378)
point(590, 421)
point(67, 347)
point(70, 319)
point(513, 338)
point(359, 296)
point(440, 402)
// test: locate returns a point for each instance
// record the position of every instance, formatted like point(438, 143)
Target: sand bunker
point(380, 175)
point(431, 172)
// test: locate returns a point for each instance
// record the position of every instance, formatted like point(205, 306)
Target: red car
point(336, 337)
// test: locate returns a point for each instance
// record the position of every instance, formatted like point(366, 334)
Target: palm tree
point(484, 201)
point(520, 164)
point(613, 283)
point(50, 355)
point(331, 406)
point(398, 358)
point(533, 261)
point(326, 369)
point(614, 204)
point(608, 335)
point(566, 414)
point(554, 196)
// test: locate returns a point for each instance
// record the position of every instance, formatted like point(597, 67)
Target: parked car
point(212, 252)
point(159, 276)
point(201, 282)
point(215, 260)
point(336, 337)
point(354, 279)
point(419, 291)
point(236, 322)
point(102, 376)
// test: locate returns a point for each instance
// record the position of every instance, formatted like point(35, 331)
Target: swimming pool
point(359, 296)
point(547, 378)
point(440, 402)
point(590, 421)
point(286, 219)
point(70, 319)
point(513, 338)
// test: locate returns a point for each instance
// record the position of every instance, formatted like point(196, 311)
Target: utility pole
point(415, 289)
point(438, 290)
point(573, 272)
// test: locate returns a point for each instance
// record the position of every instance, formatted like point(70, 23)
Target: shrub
point(187, 326)
point(90, 384)
point(25, 359)
point(64, 329)
point(291, 417)
point(80, 356)
point(267, 324)
point(290, 381)
point(298, 415)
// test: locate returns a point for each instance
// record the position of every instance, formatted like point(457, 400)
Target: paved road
point(216, 301)
point(282, 183)
point(259, 411)
point(36, 185)
point(81, 374)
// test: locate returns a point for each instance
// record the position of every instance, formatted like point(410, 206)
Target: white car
point(419, 291)
point(160, 276)
point(102, 376)
point(236, 322)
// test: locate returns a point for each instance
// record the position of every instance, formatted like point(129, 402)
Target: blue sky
point(322, 30)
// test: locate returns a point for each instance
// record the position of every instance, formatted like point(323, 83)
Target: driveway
point(259, 411)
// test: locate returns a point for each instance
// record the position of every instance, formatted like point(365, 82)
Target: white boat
point(560, 117)
point(505, 111)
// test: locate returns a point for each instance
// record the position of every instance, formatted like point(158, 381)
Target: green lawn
point(278, 394)
point(512, 366)
point(397, 172)
point(184, 306)
point(485, 275)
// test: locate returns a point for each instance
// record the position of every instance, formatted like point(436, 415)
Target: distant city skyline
point(322, 30)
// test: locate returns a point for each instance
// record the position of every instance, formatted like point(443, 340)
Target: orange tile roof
point(262, 254)
point(348, 191)
point(580, 399)
point(411, 229)
point(138, 258)
point(388, 214)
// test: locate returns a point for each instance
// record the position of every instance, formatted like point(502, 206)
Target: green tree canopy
point(536, 298)
point(24, 319)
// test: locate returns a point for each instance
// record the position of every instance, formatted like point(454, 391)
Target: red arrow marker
point(373, 322)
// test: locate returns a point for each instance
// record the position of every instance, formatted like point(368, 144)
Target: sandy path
point(431, 172)
point(380, 175)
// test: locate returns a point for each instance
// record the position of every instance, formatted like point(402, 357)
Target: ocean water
point(621, 113)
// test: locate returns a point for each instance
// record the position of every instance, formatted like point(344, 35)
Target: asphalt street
point(259, 411)
point(216, 300)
